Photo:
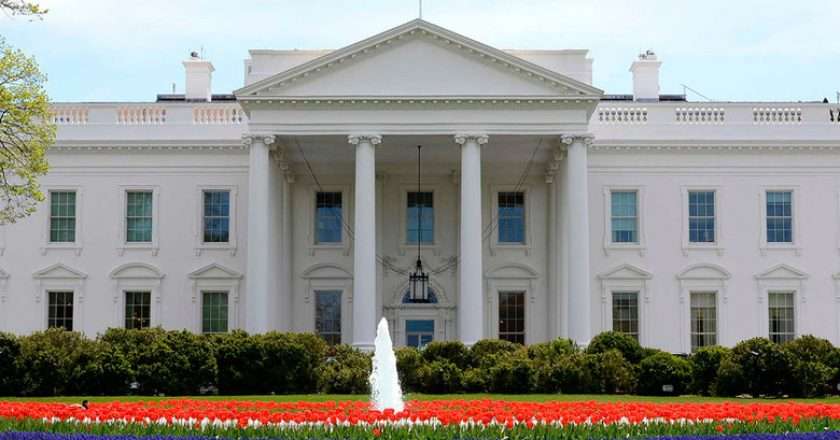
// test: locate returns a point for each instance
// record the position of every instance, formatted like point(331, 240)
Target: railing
point(70, 115)
point(768, 115)
point(699, 115)
point(141, 115)
point(627, 115)
point(218, 114)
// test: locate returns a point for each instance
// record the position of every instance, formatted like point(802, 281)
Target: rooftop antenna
point(838, 97)
point(685, 87)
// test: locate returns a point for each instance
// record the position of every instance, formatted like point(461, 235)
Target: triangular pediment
point(626, 272)
point(418, 60)
point(214, 271)
point(782, 272)
point(59, 271)
point(136, 271)
point(704, 272)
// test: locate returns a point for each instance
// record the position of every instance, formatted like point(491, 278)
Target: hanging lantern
point(418, 280)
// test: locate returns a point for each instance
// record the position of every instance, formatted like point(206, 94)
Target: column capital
point(267, 139)
point(584, 138)
point(479, 138)
point(356, 139)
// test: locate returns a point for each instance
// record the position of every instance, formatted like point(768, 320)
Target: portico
point(463, 99)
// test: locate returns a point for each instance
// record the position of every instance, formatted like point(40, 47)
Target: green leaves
point(26, 129)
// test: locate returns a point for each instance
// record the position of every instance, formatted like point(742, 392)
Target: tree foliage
point(22, 7)
point(26, 131)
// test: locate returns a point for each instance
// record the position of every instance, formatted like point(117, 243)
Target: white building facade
point(547, 208)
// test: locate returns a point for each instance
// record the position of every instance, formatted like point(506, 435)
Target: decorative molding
point(558, 154)
point(419, 28)
point(585, 138)
point(356, 139)
point(479, 138)
point(654, 146)
point(425, 101)
point(181, 148)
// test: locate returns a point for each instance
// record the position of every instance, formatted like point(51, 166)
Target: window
point(62, 217)
point(214, 312)
point(138, 216)
point(625, 313)
point(328, 217)
point(703, 320)
point(781, 316)
point(419, 332)
point(624, 216)
point(422, 229)
point(216, 216)
point(328, 315)
point(512, 316)
point(779, 217)
point(137, 309)
point(60, 313)
point(701, 216)
point(512, 217)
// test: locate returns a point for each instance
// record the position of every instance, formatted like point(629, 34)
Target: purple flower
point(826, 435)
point(13, 435)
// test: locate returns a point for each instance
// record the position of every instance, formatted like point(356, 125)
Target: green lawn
point(511, 397)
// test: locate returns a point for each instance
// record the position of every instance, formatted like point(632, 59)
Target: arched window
point(430, 294)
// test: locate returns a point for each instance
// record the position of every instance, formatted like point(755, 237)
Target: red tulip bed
point(441, 419)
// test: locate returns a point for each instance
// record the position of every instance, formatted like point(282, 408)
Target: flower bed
point(422, 419)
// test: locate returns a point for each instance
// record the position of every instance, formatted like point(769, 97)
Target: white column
point(286, 318)
point(580, 296)
point(470, 290)
point(259, 245)
point(364, 242)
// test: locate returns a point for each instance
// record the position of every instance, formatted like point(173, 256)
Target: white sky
point(114, 50)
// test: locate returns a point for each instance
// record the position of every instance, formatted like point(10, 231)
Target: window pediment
point(59, 271)
point(512, 271)
point(136, 271)
point(214, 271)
point(326, 271)
point(782, 272)
point(704, 271)
point(626, 272)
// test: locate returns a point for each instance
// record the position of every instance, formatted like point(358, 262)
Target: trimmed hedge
point(155, 361)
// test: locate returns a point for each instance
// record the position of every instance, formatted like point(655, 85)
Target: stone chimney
point(199, 73)
point(646, 77)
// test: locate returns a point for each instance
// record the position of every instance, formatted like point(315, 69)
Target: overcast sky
point(122, 50)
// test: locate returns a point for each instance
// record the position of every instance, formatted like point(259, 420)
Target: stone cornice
point(117, 147)
point(416, 100)
point(687, 147)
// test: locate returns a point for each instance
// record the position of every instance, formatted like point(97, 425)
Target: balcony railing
point(149, 114)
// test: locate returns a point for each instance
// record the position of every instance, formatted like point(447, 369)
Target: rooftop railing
point(149, 114)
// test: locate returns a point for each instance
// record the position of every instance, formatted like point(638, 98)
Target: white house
point(546, 207)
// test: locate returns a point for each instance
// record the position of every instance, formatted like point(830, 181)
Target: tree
point(26, 131)
point(22, 7)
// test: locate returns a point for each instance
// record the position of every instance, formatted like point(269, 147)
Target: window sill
point(406, 248)
point(519, 247)
point(702, 247)
point(784, 247)
point(624, 247)
point(214, 247)
point(342, 247)
point(75, 247)
point(138, 247)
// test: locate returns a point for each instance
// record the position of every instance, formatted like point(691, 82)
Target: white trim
point(134, 277)
point(795, 245)
point(229, 246)
point(608, 244)
point(346, 218)
point(626, 278)
point(442, 313)
point(46, 244)
point(687, 246)
point(329, 277)
point(154, 245)
point(404, 245)
point(215, 278)
point(783, 279)
point(512, 277)
point(495, 245)
point(60, 277)
point(703, 278)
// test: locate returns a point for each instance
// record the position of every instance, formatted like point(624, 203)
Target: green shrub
point(552, 350)
point(765, 365)
point(290, 362)
point(9, 377)
point(345, 371)
point(409, 364)
point(627, 345)
point(475, 381)
point(103, 369)
point(453, 351)
point(441, 376)
point(564, 374)
point(813, 371)
point(663, 369)
point(611, 373)
point(705, 363)
point(512, 373)
point(52, 362)
point(809, 348)
point(487, 349)
point(730, 378)
point(239, 361)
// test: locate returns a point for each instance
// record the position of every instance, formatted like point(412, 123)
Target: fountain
point(385, 391)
